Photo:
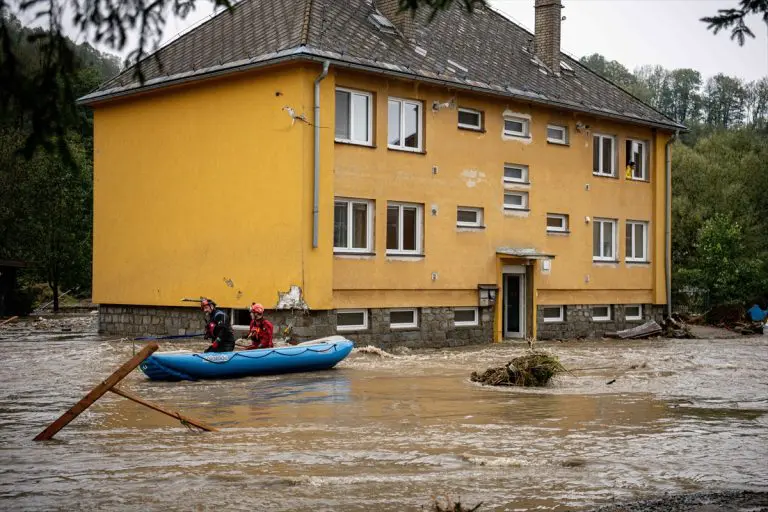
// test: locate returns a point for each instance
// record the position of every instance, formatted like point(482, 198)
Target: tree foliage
point(735, 19)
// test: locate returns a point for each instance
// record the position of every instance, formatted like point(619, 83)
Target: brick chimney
point(403, 20)
point(547, 33)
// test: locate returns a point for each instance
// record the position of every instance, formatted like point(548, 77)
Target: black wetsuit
point(220, 331)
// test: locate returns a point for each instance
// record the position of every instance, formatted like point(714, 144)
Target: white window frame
point(601, 137)
point(369, 219)
point(369, 129)
point(524, 173)
point(478, 127)
point(644, 150)
point(602, 257)
point(410, 325)
point(630, 244)
point(637, 317)
point(523, 205)
point(561, 216)
point(420, 125)
point(563, 129)
point(467, 323)
point(361, 327)
point(419, 228)
point(232, 318)
point(560, 318)
point(526, 126)
point(462, 224)
point(607, 318)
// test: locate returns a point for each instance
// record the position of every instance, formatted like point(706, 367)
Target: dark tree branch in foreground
point(734, 19)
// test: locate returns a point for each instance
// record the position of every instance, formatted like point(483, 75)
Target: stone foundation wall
point(435, 326)
point(578, 322)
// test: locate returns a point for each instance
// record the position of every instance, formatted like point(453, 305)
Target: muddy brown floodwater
point(387, 432)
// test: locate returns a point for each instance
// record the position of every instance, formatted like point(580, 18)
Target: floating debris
point(535, 368)
point(370, 349)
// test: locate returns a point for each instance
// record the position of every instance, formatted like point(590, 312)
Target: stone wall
point(578, 322)
point(435, 326)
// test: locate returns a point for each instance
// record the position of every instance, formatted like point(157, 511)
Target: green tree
point(735, 19)
point(724, 101)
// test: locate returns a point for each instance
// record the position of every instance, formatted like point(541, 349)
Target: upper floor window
point(404, 228)
point(557, 134)
point(603, 240)
point(353, 117)
point(515, 200)
point(404, 125)
point(603, 155)
point(470, 119)
point(557, 223)
point(516, 126)
point(637, 241)
point(469, 217)
point(352, 225)
point(514, 173)
point(637, 162)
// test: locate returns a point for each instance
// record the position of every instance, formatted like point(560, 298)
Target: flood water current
point(386, 431)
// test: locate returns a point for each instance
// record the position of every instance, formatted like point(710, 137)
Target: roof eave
point(306, 53)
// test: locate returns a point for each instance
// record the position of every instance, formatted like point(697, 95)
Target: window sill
point(521, 210)
point(352, 330)
point(355, 255)
point(465, 326)
point(404, 328)
point(470, 129)
point(639, 180)
point(606, 263)
point(519, 183)
point(459, 227)
point(637, 263)
point(404, 257)
point(558, 143)
point(555, 322)
point(407, 150)
point(610, 176)
point(558, 233)
point(353, 143)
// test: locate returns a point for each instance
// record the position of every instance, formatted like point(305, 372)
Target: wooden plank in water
point(646, 330)
point(96, 393)
point(139, 400)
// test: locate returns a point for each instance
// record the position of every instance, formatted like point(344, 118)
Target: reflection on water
point(387, 433)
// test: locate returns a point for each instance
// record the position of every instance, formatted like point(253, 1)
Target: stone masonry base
point(435, 325)
point(578, 322)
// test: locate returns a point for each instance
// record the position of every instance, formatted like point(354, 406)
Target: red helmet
point(257, 308)
point(206, 302)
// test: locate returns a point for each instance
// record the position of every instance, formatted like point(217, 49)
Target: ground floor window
point(465, 316)
point(403, 318)
point(351, 319)
point(601, 313)
point(553, 313)
point(634, 312)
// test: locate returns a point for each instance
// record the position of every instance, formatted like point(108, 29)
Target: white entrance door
point(514, 305)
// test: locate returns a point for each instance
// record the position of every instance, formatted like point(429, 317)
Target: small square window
point(634, 312)
point(557, 223)
point(514, 173)
point(601, 313)
point(553, 314)
point(557, 134)
point(351, 319)
point(470, 119)
point(516, 126)
point(469, 217)
point(465, 317)
point(515, 200)
point(403, 319)
point(240, 318)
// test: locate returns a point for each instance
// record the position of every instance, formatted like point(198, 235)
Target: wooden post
point(138, 400)
point(9, 320)
point(96, 393)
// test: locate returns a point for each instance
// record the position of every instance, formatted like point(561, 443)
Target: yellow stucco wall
point(470, 173)
point(206, 189)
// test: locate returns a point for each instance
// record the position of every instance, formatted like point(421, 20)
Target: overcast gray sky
point(633, 32)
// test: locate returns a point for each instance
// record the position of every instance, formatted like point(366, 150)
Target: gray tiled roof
point(491, 48)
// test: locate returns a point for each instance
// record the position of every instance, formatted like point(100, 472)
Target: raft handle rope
point(260, 356)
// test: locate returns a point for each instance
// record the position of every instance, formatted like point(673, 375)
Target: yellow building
point(394, 179)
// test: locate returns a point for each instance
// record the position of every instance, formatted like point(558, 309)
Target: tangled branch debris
point(535, 368)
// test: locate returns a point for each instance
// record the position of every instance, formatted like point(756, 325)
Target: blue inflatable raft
point(320, 354)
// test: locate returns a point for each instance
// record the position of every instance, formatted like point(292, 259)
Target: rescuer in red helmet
point(260, 333)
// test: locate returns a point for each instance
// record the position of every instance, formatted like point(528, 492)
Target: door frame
point(519, 271)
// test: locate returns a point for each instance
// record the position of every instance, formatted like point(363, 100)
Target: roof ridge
point(506, 18)
point(304, 38)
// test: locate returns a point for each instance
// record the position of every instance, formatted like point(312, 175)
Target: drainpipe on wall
point(316, 201)
point(668, 220)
